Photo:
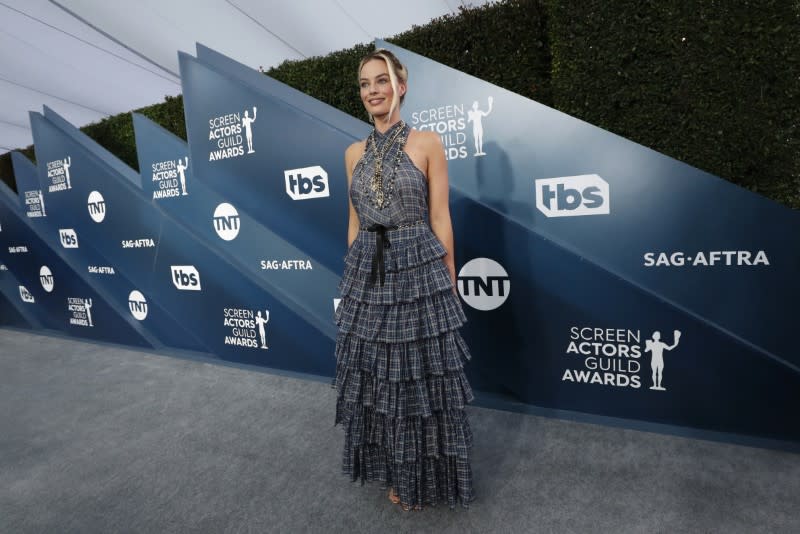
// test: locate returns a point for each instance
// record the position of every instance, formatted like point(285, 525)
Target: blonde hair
point(397, 74)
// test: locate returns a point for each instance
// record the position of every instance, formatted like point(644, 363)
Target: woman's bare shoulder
point(355, 150)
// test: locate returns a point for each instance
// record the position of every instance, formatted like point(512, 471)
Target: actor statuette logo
point(80, 310)
point(656, 348)
point(230, 135)
point(452, 122)
point(612, 357)
point(185, 277)
point(137, 304)
point(26, 295)
point(46, 278)
point(305, 183)
point(573, 196)
point(68, 238)
point(97, 206)
point(58, 175)
point(226, 221)
point(34, 203)
point(248, 328)
point(169, 178)
point(483, 284)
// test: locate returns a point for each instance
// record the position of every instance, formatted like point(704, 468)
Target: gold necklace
point(376, 184)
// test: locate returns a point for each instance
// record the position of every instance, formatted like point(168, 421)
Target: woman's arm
point(438, 198)
point(351, 156)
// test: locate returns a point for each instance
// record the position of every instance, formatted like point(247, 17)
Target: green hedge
point(505, 44)
point(713, 83)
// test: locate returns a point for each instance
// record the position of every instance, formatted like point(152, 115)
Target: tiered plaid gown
point(401, 388)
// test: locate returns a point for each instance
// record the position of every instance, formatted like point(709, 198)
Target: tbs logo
point(308, 182)
point(571, 196)
point(25, 295)
point(185, 277)
point(68, 237)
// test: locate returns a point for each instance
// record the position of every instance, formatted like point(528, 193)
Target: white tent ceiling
point(88, 59)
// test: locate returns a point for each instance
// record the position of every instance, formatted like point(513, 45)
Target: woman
point(399, 356)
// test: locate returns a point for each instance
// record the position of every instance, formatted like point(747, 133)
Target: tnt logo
point(46, 278)
point(68, 237)
point(226, 221)
point(97, 206)
point(138, 305)
point(483, 284)
point(25, 295)
point(185, 277)
point(571, 196)
point(309, 182)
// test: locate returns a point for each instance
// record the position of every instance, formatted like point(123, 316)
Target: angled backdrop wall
point(598, 276)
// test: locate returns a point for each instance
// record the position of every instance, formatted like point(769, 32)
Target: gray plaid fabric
point(401, 387)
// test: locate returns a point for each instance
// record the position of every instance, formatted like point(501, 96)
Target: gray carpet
point(102, 439)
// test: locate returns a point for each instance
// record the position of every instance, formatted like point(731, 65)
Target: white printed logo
point(97, 206)
point(138, 305)
point(286, 265)
point(25, 295)
point(226, 134)
point(144, 242)
point(81, 310)
point(483, 284)
point(34, 203)
point(451, 122)
point(572, 196)
point(245, 327)
point(68, 237)
point(58, 174)
point(612, 357)
point(185, 277)
point(46, 278)
point(226, 221)
point(706, 259)
point(656, 348)
point(169, 178)
point(308, 182)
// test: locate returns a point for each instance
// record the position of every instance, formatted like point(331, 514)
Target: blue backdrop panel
point(117, 227)
point(616, 261)
point(10, 314)
point(58, 297)
point(287, 192)
point(219, 285)
point(13, 311)
point(483, 374)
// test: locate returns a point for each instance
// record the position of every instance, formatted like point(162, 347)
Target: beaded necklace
point(381, 195)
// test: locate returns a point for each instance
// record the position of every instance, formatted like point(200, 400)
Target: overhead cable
point(103, 113)
point(84, 41)
point(275, 35)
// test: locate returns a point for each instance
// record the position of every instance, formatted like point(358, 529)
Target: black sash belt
point(378, 270)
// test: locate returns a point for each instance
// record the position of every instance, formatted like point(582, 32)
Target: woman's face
point(376, 88)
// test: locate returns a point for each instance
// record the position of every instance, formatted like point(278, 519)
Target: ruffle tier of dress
point(400, 371)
